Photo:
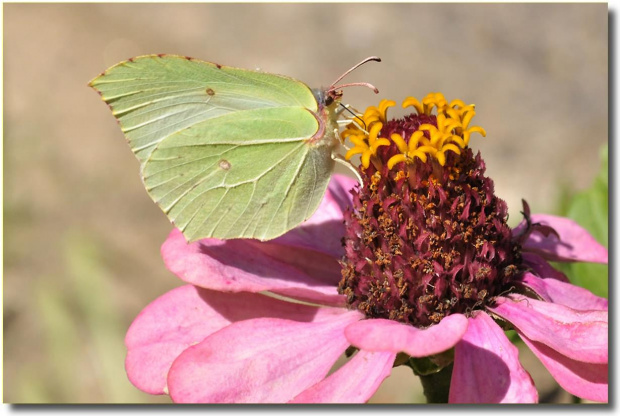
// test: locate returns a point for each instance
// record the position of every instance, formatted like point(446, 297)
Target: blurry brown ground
point(82, 238)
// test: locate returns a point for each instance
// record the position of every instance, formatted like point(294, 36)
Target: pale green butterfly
point(226, 152)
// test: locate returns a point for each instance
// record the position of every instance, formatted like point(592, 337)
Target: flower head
point(428, 264)
point(426, 237)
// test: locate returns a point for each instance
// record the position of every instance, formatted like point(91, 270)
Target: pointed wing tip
point(93, 82)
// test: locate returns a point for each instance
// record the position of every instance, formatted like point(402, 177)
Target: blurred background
point(81, 236)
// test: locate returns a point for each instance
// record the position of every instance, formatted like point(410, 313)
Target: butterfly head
point(325, 97)
point(333, 94)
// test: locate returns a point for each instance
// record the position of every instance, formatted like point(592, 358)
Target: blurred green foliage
point(83, 334)
point(590, 208)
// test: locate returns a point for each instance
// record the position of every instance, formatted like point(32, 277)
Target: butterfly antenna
point(354, 115)
point(354, 84)
point(370, 58)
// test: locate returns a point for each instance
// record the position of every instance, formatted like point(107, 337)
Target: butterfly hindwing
point(233, 185)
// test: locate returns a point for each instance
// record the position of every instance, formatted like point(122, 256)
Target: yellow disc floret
point(452, 132)
point(365, 131)
point(367, 146)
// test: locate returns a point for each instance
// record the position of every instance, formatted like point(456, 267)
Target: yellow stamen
point(411, 101)
point(453, 113)
point(451, 134)
point(374, 132)
point(352, 152)
point(419, 154)
point(434, 99)
point(371, 118)
point(431, 150)
point(441, 158)
point(452, 147)
point(366, 159)
point(367, 147)
point(359, 141)
point(467, 118)
point(396, 159)
point(400, 142)
point(469, 131)
point(378, 143)
point(383, 106)
point(351, 131)
point(456, 139)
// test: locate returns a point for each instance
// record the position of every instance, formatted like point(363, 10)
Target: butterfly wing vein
point(223, 151)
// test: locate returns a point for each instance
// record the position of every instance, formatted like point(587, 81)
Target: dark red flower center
point(425, 239)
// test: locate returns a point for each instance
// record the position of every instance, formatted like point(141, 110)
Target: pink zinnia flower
point(415, 262)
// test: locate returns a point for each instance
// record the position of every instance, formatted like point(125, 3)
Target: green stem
point(437, 385)
point(436, 382)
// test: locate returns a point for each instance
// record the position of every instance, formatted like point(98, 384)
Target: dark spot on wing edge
point(210, 91)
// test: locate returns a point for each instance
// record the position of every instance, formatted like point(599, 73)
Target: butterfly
point(226, 152)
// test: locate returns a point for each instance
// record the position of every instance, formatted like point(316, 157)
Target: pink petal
point(580, 335)
point(392, 336)
point(541, 268)
point(355, 382)
point(563, 293)
point(264, 360)
point(185, 316)
point(575, 243)
point(487, 367)
point(585, 380)
point(252, 266)
point(323, 231)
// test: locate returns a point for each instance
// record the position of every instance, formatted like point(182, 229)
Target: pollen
point(434, 137)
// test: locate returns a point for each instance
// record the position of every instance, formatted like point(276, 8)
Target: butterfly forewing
point(224, 151)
